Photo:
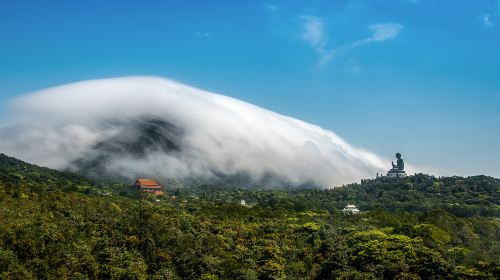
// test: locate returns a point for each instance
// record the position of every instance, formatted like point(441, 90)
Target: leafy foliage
point(60, 225)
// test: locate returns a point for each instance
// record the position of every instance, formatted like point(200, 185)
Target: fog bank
point(209, 134)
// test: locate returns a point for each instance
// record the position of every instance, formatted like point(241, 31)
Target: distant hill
point(17, 173)
point(463, 197)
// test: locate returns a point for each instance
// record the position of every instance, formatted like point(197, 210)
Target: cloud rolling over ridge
point(205, 134)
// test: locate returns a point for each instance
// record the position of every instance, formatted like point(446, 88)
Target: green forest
point(59, 225)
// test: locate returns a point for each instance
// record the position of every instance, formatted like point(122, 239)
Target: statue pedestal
point(396, 173)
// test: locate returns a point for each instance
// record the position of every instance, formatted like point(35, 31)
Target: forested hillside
point(56, 225)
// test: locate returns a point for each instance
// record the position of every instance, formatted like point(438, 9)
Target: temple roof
point(147, 183)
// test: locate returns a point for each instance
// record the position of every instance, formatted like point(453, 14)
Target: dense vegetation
point(56, 225)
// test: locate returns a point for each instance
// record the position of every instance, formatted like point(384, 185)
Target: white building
point(243, 203)
point(350, 209)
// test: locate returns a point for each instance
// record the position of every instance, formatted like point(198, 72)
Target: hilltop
point(17, 174)
point(61, 225)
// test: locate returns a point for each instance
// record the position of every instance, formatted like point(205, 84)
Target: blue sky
point(419, 77)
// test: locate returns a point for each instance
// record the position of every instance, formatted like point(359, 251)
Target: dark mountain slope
point(151, 136)
point(135, 140)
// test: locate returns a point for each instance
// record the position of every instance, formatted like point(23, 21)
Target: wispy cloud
point(491, 16)
point(314, 32)
point(270, 7)
point(202, 34)
point(487, 21)
point(380, 32)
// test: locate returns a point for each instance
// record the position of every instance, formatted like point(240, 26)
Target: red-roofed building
point(149, 186)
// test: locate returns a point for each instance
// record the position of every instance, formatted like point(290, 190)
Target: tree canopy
point(58, 225)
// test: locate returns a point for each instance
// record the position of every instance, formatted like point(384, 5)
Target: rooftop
point(147, 183)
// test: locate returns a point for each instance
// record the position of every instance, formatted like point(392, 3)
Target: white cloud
point(314, 32)
point(202, 34)
point(380, 32)
point(270, 7)
point(487, 21)
point(220, 134)
point(384, 31)
point(492, 16)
